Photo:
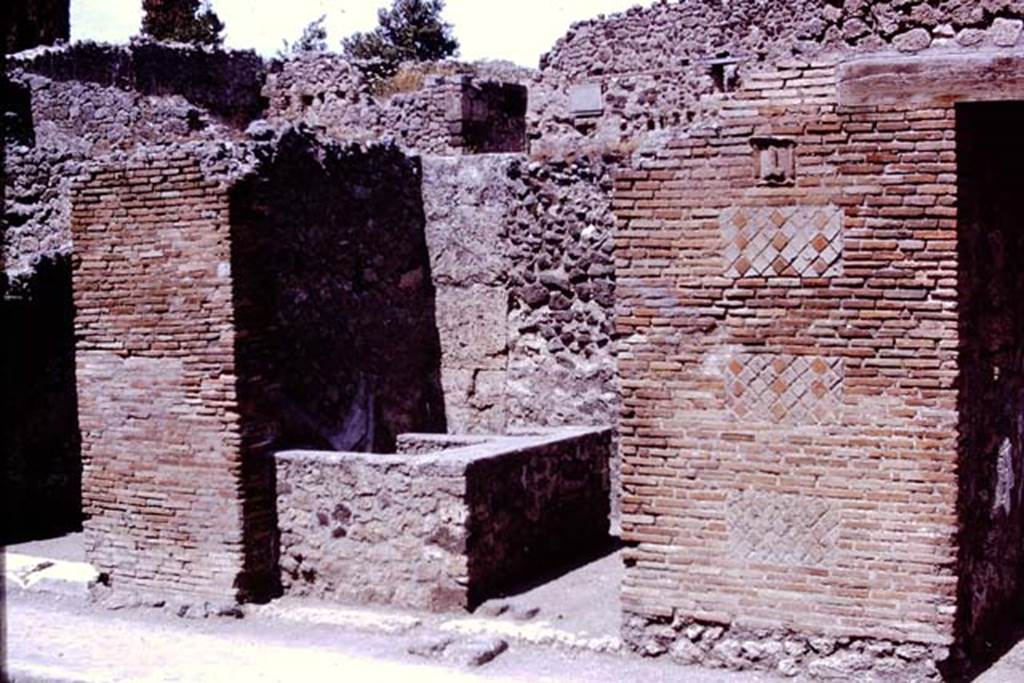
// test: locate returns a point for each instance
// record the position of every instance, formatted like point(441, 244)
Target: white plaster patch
point(1005, 480)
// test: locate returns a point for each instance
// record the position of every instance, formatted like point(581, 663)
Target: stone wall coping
point(492, 447)
point(484, 159)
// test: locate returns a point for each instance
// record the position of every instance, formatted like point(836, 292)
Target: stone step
point(537, 633)
point(47, 575)
point(355, 618)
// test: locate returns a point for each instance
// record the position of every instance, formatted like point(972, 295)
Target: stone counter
point(442, 529)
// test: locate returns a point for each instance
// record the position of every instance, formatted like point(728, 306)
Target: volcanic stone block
point(472, 321)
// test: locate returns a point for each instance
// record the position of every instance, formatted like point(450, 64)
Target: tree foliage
point(183, 21)
point(411, 30)
point(313, 39)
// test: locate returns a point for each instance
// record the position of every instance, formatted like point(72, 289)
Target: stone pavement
point(61, 638)
point(564, 629)
point(1009, 668)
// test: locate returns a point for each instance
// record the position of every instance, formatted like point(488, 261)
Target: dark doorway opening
point(990, 233)
point(40, 446)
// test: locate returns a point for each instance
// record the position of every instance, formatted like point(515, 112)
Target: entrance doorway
point(990, 233)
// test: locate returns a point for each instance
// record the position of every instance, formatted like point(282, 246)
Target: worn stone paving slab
point(358, 619)
point(470, 652)
point(539, 633)
point(48, 575)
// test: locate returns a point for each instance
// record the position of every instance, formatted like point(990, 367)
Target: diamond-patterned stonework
point(784, 388)
point(789, 241)
point(780, 528)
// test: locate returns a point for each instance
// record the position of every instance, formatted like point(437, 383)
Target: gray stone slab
point(586, 100)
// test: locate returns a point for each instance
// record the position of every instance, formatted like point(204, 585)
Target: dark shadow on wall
point(566, 564)
point(18, 127)
point(535, 515)
point(337, 344)
point(39, 439)
point(990, 232)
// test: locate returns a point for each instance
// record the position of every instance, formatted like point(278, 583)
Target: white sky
point(517, 30)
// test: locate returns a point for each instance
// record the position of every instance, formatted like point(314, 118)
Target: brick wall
point(788, 359)
point(62, 107)
point(156, 380)
point(278, 298)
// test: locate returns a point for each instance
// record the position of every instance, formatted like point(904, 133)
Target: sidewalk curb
point(34, 673)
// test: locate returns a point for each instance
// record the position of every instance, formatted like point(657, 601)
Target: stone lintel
point(934, 80)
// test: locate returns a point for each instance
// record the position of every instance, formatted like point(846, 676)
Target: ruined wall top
point(668, 36)
point(226, 83)
point(40, 22)
point(432, 108)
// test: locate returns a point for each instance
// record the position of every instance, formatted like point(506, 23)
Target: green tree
point(182, 21)
point(313, 39)
point(412, 30)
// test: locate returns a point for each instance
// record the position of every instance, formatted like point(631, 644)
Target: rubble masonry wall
point(440, 529)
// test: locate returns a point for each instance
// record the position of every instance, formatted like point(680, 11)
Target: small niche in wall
point(774, 160)
point(724, 71)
